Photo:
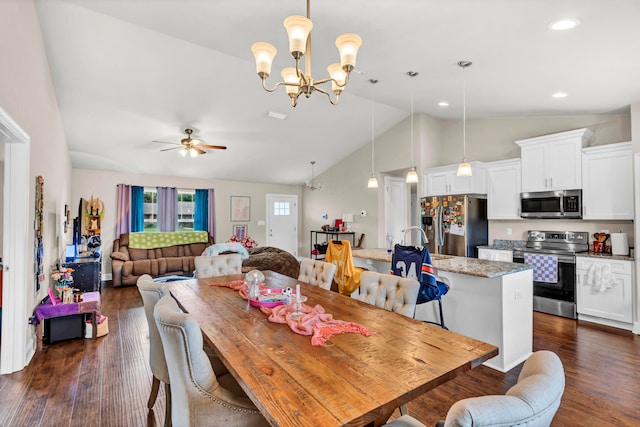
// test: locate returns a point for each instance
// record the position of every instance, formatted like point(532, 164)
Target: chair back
point(151, 292)
point(218, 265)
point(532, 402)
point(317, 273)
point(196, 396)
point(393, 293)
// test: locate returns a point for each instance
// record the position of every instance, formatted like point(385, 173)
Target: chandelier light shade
point(373, 181)
point(297, 81)
point(312, 184)
point(464, 168)
point(412, 175)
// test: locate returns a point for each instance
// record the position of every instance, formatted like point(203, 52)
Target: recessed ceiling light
point(564, 24)
point(443, 104)
point(559, 95)
point(274, 115)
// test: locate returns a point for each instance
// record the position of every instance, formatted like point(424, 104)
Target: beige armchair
point(317, 273)
point(532, 402)
point(393, 293)
point(151, 292)
point(198, 398)
point(218, 265)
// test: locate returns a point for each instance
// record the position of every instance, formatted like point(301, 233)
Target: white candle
point(298, 292)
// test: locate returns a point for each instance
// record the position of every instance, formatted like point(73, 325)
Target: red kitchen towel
point(545, 267)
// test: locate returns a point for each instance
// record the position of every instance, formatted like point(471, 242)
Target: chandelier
point(312, 184)
point(297, 82)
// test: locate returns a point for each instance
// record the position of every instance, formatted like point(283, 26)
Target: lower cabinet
point(601, 298)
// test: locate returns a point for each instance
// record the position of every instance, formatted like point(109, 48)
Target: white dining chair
point(532, 402)
point(393, 293)
point(218, 265)
point(317, 273)
point(198, 397)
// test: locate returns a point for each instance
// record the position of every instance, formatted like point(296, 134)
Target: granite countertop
point(606, 256)
point(454, 264)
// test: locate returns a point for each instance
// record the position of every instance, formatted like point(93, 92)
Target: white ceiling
point(129, 72)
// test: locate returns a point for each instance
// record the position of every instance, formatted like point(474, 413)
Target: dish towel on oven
point(545, 267)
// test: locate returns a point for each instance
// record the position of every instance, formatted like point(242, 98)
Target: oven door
point(557, 298)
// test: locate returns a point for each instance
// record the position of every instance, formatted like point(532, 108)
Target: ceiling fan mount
point(190, 145)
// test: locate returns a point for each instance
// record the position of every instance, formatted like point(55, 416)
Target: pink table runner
point(315, 321)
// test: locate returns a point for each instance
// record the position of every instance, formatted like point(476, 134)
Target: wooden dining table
point(355, 380)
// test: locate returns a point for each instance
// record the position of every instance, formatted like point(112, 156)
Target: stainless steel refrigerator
point(455, 225)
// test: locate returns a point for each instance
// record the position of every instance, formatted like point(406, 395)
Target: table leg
point(94, 325)
point(39, 335)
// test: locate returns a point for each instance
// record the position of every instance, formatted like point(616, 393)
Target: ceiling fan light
point(373, 182)
point(298, 29)
point(263, 53)
point(348, 45)
point(192, 152)
point(183, 152)
point(412, 176)
point(464, 169)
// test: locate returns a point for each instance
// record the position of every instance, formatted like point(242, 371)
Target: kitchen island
point(490, 301)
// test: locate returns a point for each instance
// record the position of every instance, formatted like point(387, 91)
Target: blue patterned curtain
point(201, 214)
point(137, 208)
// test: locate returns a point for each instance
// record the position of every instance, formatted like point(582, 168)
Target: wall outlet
point(509, 231)
point(325, 216)
point(363, 213)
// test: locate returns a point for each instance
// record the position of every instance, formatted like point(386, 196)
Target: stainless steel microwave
point(561, 204)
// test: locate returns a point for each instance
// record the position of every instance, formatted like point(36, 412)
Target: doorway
point(16, 351)
point(282, 222)
point(395, 208)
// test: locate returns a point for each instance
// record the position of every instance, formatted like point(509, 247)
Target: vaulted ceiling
point(130, 72)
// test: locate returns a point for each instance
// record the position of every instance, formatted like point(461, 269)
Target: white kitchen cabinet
point(611, 304)
point(553, 162)
point(444, 181)
point(504, 255)
point(503, 189)
point(607, 181)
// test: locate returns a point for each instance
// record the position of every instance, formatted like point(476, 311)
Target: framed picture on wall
point(240, 231)
point(240, 208)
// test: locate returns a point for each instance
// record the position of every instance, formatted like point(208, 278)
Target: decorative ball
point(254, 277)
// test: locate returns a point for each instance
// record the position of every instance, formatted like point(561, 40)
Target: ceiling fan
point(193, 146)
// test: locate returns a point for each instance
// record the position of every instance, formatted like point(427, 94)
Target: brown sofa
point(127, 264)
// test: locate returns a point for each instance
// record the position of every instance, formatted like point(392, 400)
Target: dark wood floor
point(107, 382)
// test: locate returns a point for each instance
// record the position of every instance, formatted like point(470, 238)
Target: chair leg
point(441, 314)
point(167, 406)
point(155, 386)
point(404, 409)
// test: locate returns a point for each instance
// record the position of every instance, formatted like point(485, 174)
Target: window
point(282, 208)
point(186, 209)
point(150, 209)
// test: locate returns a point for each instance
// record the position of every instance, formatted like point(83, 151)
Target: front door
point(282, 222)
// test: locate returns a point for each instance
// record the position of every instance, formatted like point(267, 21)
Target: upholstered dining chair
point(218, 265)
point(393, 293)
point(198, 397)
point(151, 292)
point(317, 273)
point(532, 402)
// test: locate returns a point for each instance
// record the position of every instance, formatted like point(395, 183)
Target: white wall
point(1, 200)
point(102, 184)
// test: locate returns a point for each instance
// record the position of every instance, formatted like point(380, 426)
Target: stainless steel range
point(553, 255)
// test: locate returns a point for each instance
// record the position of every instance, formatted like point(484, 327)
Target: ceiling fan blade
point(198, 150)
point(172, 148)
point(214, 147)
point(164, 142)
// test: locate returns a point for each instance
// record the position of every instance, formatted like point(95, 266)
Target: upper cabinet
point(607, 181)
point(444, 181)
point(553, 162)
point(503, 189)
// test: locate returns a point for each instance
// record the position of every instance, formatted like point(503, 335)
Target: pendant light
point(373, 181)
point(464, 168)
point(412, 175)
